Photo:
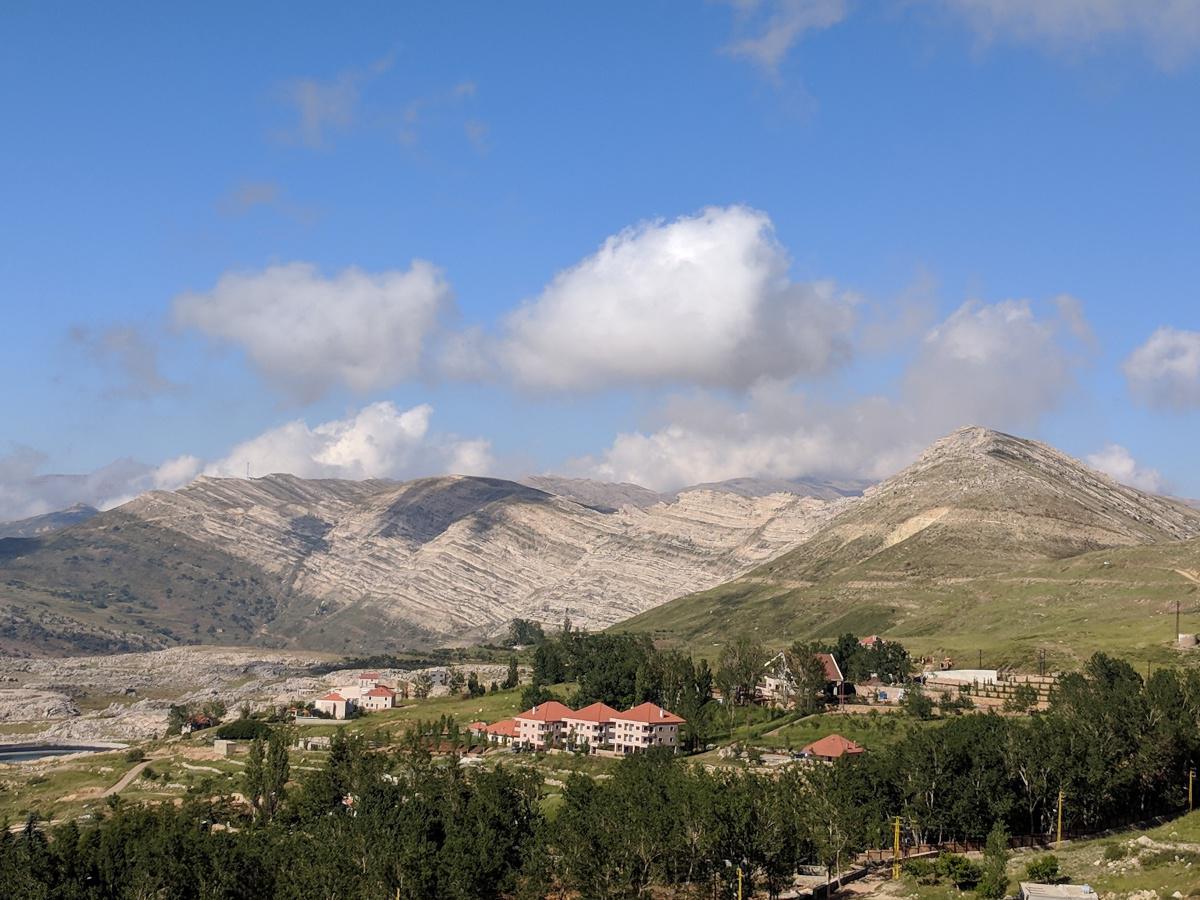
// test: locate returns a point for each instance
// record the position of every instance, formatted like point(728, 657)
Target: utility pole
point(1058, 842)
point(896, 849)
point(1175, 637)
point(1042, 663)
point(981, 658)
point(1191, 781)
point(739, 883)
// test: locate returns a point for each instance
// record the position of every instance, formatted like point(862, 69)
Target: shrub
point(959, 870)
point(1157, 858)
point(243, 730)
point(134, 754)
point(1044, 869)
point(923, 870)
point(1115, 851)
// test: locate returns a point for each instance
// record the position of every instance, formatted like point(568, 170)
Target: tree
point(1023, 698)
point(422, 685)
point(808, 676)
point(512, 678)
point(1044, 870)
point(917, 703)
point(456, 681)
point(993, 882)
point(740, 667)
point(523, 632)
point(177, 717)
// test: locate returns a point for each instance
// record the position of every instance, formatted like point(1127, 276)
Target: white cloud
point(997, 365)
point(325, 106)
point(1165, 371)
point(700, 300)
point(379, 441)
point(128, 352)
point(25, 490)
point(1170, 29)
point(775, 26)
point(1117, 462)
point(307, 332)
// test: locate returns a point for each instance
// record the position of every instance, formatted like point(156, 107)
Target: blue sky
point(373, 241)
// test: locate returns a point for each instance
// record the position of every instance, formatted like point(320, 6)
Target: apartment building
point(542, 726)
point(643, 727)
point(592, 725)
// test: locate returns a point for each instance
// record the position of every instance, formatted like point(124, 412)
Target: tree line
point(375, 823)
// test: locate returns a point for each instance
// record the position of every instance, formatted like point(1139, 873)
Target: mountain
point(375, 565)
point(599, 495)
point(48, 522)
point(986, 541)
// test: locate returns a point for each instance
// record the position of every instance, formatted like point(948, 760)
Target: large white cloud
point(1118, 462)
point(378, 441)
point(1165, 371)
point(307, 332)
point(701, 300)
point(998, 365)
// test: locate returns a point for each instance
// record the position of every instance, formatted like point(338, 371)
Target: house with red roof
point(542, 726)
point(592, 725)
point(502, 732)
point(334, 704)
point(832, 747)
point(379, 697)
point(645, 726)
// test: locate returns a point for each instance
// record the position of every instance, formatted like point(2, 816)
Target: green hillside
point(1120, 600)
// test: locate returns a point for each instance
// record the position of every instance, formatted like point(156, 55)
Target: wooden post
point(1191, 781)
point(1058, 842)
point(896, 849)
point(739, 883)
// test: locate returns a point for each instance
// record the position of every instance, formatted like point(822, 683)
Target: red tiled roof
point(550, 711)
point(832, 672)
point(334, 695)
point(650, 713)
point(869, 640)
point(477, 726)
point(596, 712)
point(832, 746)
point(503, 728)
point(381, 690)
point(368, 676)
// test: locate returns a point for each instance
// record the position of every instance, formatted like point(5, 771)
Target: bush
point(1044, 869)
point(1167, 857)
point(958, 870)
point(1115, 851)
point(134, 755)
point(149, 774)
point(243, 730)
point(923, 870)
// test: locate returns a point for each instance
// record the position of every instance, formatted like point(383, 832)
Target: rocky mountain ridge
point(375, 564)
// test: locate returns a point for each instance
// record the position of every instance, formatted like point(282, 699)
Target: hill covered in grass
point(988, 542)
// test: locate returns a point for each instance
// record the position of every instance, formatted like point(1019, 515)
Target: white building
point(334, 704)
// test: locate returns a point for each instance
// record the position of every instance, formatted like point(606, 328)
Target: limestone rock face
point(459, 557)
point(363, 566)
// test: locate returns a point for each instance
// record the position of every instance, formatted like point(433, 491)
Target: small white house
point(367, 680)
point(379, 697)
point(334, 704)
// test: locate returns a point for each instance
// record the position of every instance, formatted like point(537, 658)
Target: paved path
point(126, 779)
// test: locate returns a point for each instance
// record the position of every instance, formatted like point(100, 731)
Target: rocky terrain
point(987, 542)
point(126, 696)
point(378, 565)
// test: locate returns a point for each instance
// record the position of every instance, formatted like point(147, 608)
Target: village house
point(335, 705)
point(377, 698)
point(643, 727)
point(777, 686)
point(592, 725)
point(367, 680)
point(832, 747)
point(503, 732)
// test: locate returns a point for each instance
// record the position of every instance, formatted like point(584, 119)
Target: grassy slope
point(1119, 600)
